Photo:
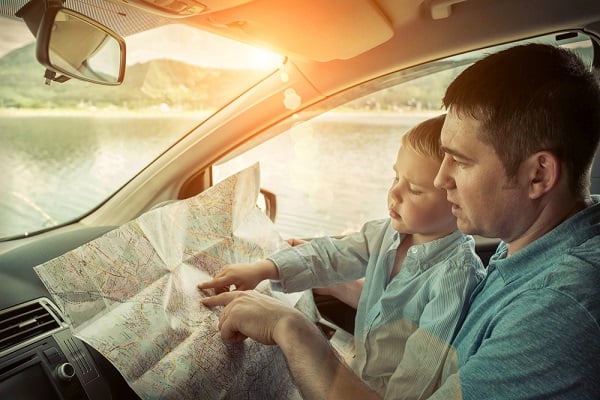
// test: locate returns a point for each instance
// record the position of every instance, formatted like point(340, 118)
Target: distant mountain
point(173, 83)
point(13, 33)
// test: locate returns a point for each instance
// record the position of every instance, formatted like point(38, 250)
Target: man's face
point(484, 201)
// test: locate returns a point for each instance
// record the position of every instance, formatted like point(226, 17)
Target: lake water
point(55, 168)
point(330, 175)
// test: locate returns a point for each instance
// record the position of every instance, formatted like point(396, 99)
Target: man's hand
point(316, 368)
point(242, 276)
point(254, 315)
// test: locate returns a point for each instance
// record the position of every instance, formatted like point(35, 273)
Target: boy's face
point(416, 206)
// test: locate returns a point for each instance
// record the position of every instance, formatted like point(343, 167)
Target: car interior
point(334, 52)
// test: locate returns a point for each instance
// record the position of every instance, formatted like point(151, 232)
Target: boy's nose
point(394, 193)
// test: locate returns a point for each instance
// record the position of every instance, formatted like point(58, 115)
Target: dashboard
point(39, 357)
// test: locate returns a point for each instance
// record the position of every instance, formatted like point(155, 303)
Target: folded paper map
point(131, 294)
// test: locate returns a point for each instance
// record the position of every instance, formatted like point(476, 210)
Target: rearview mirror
point(76, 46)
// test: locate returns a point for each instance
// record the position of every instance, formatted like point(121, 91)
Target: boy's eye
point(414, 191)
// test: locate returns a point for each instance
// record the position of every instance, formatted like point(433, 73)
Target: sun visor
point(313, 29)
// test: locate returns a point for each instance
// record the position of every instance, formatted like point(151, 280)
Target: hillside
point(173, 83)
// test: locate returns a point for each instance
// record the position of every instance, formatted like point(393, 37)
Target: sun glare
point(193, 46)
point(264, 59)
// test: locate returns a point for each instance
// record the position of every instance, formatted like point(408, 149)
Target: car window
point(331, 165)
point(68, 146)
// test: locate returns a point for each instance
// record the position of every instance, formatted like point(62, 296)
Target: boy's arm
point(242, 276)
point(326, 261)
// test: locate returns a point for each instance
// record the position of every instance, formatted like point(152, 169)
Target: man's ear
point(544, 173)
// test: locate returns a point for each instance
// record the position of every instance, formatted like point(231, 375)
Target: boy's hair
point(531, 98)
point(424, 138)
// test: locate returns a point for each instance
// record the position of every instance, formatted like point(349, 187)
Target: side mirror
point(267, 202)
point(78, 47)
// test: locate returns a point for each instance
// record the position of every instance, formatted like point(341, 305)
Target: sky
point(177, 42)
point(13, 35)
point(197, 47)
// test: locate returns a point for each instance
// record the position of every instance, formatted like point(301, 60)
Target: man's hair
point(531, 98)
point(424, 138)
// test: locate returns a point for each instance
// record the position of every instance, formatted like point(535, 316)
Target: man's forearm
point(317, 371)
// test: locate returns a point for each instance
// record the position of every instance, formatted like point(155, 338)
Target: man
point(418, 270)
point(519, 138)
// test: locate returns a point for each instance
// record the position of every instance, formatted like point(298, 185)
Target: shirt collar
point(567, 235)
point(431, 253)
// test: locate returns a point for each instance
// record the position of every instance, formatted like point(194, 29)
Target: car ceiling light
point(441, 9)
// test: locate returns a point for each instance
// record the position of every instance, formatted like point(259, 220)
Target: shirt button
point(414, 250)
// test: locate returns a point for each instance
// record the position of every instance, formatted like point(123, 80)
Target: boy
point(418, 270)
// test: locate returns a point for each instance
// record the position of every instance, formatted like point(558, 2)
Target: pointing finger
point(221, 299)
point(213, 283)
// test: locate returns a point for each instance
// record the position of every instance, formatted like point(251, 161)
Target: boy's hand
point(295, 242)
point(242, 276)
point(347, 292)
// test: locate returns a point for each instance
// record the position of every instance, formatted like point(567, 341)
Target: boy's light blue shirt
point(532, 327)
point(403, 326)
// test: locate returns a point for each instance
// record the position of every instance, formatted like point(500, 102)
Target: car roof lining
point(304, 29)
point(117, 16)
point(311, 30)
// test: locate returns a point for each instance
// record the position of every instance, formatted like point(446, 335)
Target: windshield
point(67, 147)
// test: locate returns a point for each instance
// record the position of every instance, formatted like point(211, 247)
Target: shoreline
point(347, 116)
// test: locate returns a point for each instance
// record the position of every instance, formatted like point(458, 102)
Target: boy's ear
point(543, 172)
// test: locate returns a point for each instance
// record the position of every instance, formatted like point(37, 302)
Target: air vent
point(22, 323)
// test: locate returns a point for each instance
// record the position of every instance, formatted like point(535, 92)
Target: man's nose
point(442, 179)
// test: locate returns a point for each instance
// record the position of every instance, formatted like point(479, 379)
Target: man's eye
point(457, 162)
point(414, 191)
